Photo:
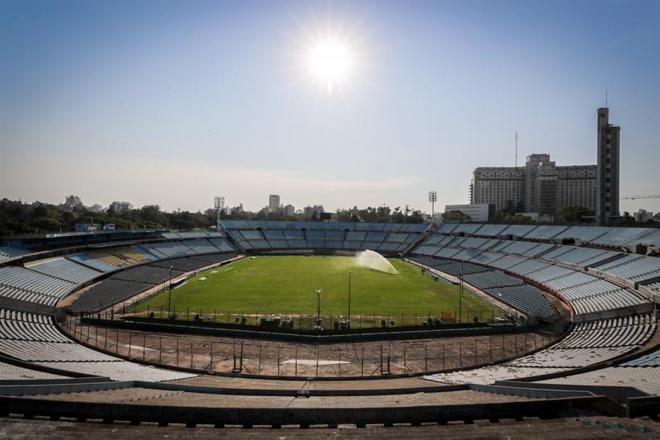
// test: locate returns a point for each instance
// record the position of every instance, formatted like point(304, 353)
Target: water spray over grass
point(374, 260)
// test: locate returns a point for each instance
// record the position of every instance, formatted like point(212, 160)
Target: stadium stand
point(28, 285)
point(127, 283)
point(505, 288)
point(585, 277)
point(35, 339)
point(274, 235)
point(64, 269)
point(586, 344)
point(10, 252)
point(92, 262)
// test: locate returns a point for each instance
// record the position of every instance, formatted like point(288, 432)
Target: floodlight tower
point(219, 205)
point(433, 197)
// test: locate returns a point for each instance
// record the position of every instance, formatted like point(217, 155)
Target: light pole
point(318, 308)
point(169, 296)
point(460, 295)
point(218, 204)
point(433, 197)
point(350, 274)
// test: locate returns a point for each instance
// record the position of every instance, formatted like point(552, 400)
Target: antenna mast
point(605, 96)
point(516, 149)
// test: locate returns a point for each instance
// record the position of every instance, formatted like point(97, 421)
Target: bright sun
point(330, 60)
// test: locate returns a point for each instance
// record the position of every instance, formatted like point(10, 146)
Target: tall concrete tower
point(607, 203)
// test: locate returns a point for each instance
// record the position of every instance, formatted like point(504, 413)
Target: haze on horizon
point(173, 103)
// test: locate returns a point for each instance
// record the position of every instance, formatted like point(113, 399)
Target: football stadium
point(329, 219)
point(136, 327)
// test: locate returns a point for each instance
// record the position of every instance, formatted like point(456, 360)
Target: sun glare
point(330, 61)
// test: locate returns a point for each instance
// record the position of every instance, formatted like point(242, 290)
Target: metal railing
point(281, 359)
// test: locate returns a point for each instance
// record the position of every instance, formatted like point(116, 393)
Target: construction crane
point(652, 196)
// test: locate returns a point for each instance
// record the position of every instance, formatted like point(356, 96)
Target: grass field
point(287, 284)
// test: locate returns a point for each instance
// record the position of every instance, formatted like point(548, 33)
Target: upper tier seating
point(64, 269)
point(585, 293)
point(36, 287)
point(621, 236)
point(633, 267)
point(9, 252)
point(273, 235)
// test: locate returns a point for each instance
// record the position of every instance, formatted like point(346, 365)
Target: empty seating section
point(527, 267)
point(621, 236)
point(487, 258)
point(576, 255)
point(508, 261)
point(512, 291)
point(518, 230)
point(539, 250)
point(168, 250)
point(588, 294)
point(492, 278)
point(28, 285)
point(65, 269)
point(35, 339)
point(10, 252)
point(586, 344)
point(601, 259)
point(110, 258)
point(466, 228)
point(201, 246)
point(127, 283)
point(633, 267)
point(596, 235)
point(533, 260)
point(505, 288)
point(106, 293)
point(652, 239)
point(92, 262)
point(654, 285)
point(618, 332)
point(549, 273)
point(134, 254)
point(222, 245)
point(448, 266)
point(276, 235)
point(21, 326)
point(117, 369)
point(528, 299)
point(491, 230)
point(545, 232)
point(582, 233)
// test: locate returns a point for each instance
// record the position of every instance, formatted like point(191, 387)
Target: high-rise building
point(540, 187)
point(289, 210)
point(607, 204)
point(503, 187)
point(273, 203)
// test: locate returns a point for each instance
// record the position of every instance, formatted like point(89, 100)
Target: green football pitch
point(287, 285)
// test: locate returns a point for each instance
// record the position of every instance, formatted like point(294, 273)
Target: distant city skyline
point(170, 103)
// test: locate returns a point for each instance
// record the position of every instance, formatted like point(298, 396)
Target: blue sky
point(175, 102)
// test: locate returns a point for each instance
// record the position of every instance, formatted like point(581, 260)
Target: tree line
point(18, 217)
